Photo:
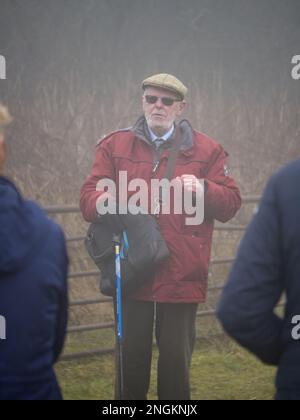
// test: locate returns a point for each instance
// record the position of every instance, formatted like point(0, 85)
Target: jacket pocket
point(189, 257)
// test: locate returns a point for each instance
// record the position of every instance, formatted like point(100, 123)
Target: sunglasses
point(151, 99)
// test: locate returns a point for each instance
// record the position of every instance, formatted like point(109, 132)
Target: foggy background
point(74, 70)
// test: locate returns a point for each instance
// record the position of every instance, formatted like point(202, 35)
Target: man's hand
point(191, 184)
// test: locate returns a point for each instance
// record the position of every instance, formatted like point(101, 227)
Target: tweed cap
point(166, 81)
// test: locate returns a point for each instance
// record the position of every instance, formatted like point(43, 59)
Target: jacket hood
point(22, 226)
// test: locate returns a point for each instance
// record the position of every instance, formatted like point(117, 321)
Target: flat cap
point(166, 81)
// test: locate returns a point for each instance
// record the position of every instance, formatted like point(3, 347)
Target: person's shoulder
point(290, 170)
point(114, 136)
point(283, 186)
point(287, 176)
point(39, 215)
point(207, 143)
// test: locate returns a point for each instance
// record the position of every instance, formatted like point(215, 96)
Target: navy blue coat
point(268, 264)
point(33, 298)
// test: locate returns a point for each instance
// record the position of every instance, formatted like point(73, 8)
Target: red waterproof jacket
point(183, 277)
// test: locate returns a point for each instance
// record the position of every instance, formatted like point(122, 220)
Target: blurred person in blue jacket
point(33, 293)
point(268, 265)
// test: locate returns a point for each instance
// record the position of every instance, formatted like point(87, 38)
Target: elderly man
point(179, 284)
point(33, 293)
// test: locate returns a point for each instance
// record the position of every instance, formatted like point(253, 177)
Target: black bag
point(142, 250)
point(142, 245)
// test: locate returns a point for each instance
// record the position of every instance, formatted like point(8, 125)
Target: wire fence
point(58, 210)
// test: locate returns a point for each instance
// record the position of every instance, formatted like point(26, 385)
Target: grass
point(230, 373)
point(220, 371)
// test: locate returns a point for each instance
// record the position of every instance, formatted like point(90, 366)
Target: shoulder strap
point(173, 155)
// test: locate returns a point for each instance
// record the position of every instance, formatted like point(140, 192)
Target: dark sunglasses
point(151, 99)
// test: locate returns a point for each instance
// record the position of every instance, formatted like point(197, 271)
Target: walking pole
point(119, 318)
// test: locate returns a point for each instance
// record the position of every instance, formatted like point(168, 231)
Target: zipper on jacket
point(156, 166)
point(156, 160)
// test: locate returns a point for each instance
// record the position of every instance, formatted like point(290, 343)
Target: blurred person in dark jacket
point(268, 265)
point(179, 284)
point(33, 293)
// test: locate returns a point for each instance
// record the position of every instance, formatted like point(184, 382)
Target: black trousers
point(175, 337)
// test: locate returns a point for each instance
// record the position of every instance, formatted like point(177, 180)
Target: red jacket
point(183, 277)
